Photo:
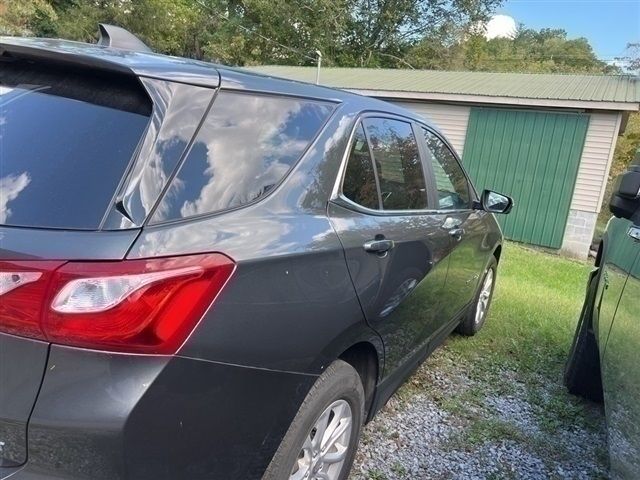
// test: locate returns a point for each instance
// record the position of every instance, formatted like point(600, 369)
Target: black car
point(603, 362)
point(212, 274)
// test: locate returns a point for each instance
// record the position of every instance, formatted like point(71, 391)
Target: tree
point(626, 148)
point(27, 17)
point(543, 51)
point(631, 59)
point(432, 34)
point(272, 31)
point(348, 33)
point(379, 30)
point(168, 26)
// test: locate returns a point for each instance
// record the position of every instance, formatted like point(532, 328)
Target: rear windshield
point(66, 138)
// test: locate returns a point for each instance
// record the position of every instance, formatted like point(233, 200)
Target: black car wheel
point(475, 317)
point(323, 438)
point(582, 372)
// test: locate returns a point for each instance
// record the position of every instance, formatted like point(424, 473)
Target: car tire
point(582, 372)
point(338, 390)
point(472, 321)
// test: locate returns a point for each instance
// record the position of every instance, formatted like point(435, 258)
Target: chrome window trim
point(338, 197)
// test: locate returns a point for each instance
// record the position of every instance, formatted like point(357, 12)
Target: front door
point(396, 252)
point(465, 226)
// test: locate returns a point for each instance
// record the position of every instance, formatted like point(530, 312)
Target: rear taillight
point(141, 306)
point(23, 288)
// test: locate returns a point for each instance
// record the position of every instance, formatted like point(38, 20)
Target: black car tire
point(468, 326)
point(582, 371)
point(340, 381)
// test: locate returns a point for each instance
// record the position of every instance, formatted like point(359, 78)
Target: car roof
point(184, 70)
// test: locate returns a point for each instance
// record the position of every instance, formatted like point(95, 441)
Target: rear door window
point(398, 164)
point(246, 145)
point(66, 139)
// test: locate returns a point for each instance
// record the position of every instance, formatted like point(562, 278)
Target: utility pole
point(319, 53)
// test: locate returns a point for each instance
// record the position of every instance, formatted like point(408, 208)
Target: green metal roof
point(591, 88)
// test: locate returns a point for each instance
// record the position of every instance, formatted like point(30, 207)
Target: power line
point(402, 60)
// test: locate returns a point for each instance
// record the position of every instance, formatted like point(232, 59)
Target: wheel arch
point(360, 346)
point(600, 253)
point(363, 357)
point(497, 252)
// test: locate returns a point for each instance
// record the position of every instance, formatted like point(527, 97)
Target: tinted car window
point(359, 179)
point(246, 145)
point(395, 152)
point(66, 139)
point(451, 182)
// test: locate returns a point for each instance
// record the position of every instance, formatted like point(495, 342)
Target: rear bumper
point(113, 416)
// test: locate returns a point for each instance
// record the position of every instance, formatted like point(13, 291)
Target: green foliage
point(360, 32)
point(27, 17)
point(381, 32)
point(631, 59)
point(625, 151)
point(518, 357)
point(277, 31)
point(543, 51)
point(168, 26)
point(432, 34)
point(627, 145)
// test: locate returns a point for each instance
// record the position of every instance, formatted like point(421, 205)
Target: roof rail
point(116, 37)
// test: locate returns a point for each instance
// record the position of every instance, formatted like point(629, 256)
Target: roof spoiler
point(117, 37)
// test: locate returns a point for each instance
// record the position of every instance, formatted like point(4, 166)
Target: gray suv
point(211, 274)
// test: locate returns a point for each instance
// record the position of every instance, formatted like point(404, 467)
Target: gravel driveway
point(448, 424)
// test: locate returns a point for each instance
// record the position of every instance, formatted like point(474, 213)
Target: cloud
point(246, 146)
point(501, 26)
point(10, 188)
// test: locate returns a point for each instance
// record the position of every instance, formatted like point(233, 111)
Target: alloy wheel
point(326, 445)
point(485, 296)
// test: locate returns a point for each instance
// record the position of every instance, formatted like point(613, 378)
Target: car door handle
point(456, 233)
point(379, 246)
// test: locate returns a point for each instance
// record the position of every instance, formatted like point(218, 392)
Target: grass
point(533, 315)
point(521, 351)
point(504, 385)
point(529, 331)
point(375, 474)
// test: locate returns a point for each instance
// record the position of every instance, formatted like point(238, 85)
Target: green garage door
point(532, 156)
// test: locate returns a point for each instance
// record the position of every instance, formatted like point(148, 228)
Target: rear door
point(395, 249)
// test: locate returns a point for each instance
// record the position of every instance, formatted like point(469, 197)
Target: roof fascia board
point(485, 99)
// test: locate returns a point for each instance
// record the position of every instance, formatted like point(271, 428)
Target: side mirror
point(494, 202)
point(625, 199)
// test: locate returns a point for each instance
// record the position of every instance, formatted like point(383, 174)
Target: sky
point(608, 24)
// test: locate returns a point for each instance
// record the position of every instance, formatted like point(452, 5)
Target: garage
point(534, 156)
point(547, 140)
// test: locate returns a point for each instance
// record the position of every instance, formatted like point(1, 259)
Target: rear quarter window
point(66, 139)
point(245, 147)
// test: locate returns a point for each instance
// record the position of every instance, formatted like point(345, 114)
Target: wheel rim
point(485, 296)
point(325, 447)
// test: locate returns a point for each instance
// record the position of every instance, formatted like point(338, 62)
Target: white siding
point(451, 119)
point(595, 161)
